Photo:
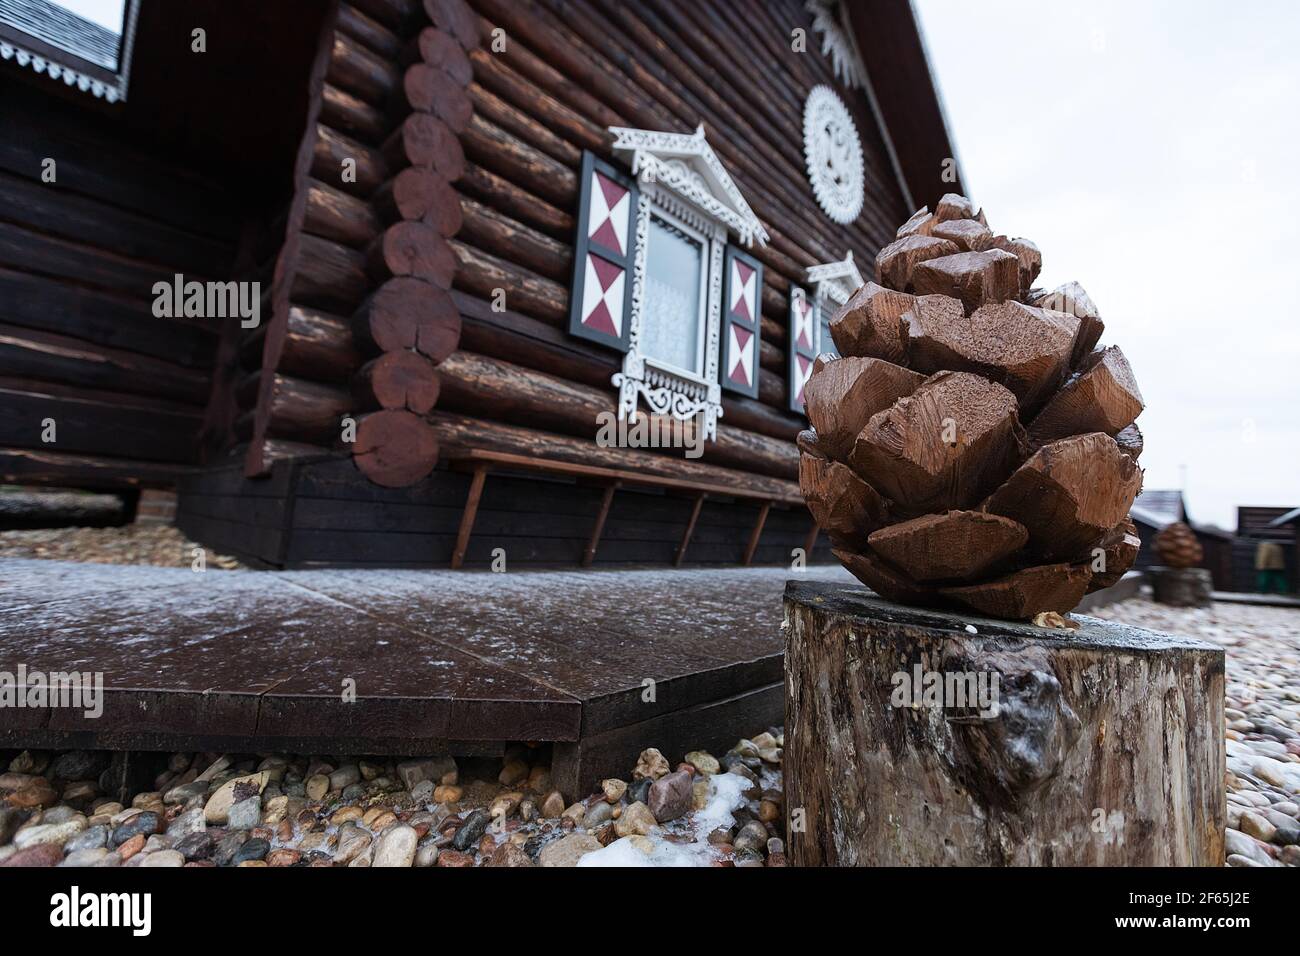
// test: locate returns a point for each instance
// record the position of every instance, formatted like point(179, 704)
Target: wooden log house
point(482, 230)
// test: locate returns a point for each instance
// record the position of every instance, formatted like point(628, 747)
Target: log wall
point(79, 256)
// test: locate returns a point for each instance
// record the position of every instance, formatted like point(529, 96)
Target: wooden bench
point(480, 461)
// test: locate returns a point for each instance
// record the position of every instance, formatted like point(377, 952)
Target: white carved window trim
point(680, 178)
point(832, 282)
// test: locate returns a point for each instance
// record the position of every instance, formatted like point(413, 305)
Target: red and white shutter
point(741, 323)
point(600, 303)
point(804, 327)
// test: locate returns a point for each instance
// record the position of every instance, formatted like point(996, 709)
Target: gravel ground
point(158, 545)
point(224, 810)
point(1262, 648)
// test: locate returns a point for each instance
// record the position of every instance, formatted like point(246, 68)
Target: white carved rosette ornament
point(833, 154)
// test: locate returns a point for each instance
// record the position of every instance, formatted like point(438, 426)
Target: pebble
point(143, 824)
point(44, 854)
point(195, 846)
point(226, 848)
point(345, 776)
point(284, 856)
point(513, 773)
point(163, 858)
point(412, 772)
point(245, 814)
point(91, 838)
point(598, 814)
point(87, 857)
point(613, 789)
point(553, 805)
point(131, 847)
point(703, 762)
point(509, 854)
point(317, 786)
point(471, 830)
point(255, 848)
point(568, 850)
point(650, 765)
point(395, 847)
point(233, 791)
point(352, 842)
point(55, 833)
point(670, 796)
point(636, 818)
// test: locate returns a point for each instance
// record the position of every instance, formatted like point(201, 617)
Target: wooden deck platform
point(601, 663)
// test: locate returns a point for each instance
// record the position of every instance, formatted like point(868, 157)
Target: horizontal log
point(408, 313)
point(412, 249)
point(330, 156)
point(419, 193)
point(518, 123)
point(400, 379)
point(489, 229)
point(505, 391)
point(297, 409)
point(361, 72)
point(424, 140)
point(39, 466)
point(329, 275)
point(379, 39)
point(352, 116)
point(318, 346)
point(491, 72)
point(397, 15)
point(430, 90)
point(332, 214)
point(487, 276)
point(97, 422)
point(46, 356)
point(490, 189)
point(395, 448)
point(461, 433)
point(493, 148)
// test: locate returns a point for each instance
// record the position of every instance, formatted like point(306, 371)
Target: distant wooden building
point(488, 236)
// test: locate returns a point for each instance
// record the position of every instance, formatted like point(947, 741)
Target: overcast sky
point(1151, 150)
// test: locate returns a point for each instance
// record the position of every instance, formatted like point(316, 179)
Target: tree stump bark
point(1097, 746)
point(1182, 587)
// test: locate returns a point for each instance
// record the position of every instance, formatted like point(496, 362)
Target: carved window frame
point(679, 177)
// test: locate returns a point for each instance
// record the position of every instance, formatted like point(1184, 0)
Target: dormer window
point(668, 226)
point(85, 44)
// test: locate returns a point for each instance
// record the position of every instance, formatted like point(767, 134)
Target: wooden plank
point(680, 556)
point(589, 554)
point(756, 534)
point(467, 517)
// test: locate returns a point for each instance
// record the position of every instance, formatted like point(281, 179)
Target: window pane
point(670, 322)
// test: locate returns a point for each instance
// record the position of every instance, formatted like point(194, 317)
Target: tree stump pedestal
point(1182, 587)
point(919, 737)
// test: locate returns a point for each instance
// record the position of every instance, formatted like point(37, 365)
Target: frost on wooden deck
point(433, 654)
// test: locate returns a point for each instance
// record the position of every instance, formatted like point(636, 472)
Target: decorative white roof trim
point(686, 164)
point(836, 281)
point(111, 92)
point(830, 19)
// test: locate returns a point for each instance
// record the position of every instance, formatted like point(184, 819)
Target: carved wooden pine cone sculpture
point(1177, 546)
point(973, 448)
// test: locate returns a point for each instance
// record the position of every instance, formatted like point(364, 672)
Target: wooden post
point(1097, 746)
point(467, 516)
point(810, 542)
point(680, 556)
point(589, 555)
point(757, 532)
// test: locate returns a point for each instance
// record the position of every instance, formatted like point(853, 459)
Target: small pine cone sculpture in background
point(972, 447)
point(1177, 546)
